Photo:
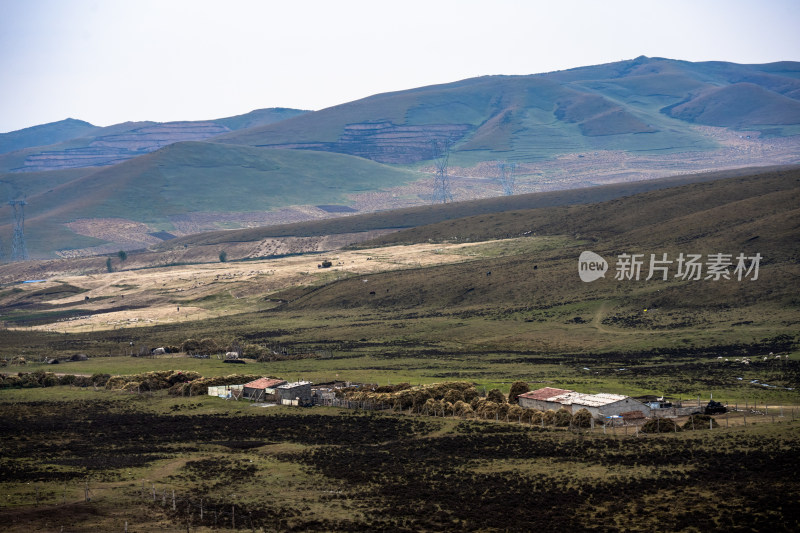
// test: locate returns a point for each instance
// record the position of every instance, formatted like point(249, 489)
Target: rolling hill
point(45, 134)
point(637, 105)
point(181, 187)
point(76, 144)
point(504, 280)
point(758, 213)
point(129, 185)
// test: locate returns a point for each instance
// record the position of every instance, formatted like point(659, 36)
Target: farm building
point(298, 393)
point(263, 389)
point(599, 405)
point(541, 399)
point(226, 391)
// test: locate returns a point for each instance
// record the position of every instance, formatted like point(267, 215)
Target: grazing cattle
point(232, 355)
point(159, 351)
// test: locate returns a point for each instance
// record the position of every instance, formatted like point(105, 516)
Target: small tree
point(223, 256)
point(108, 265)
point(122, 255)
point(517, 388)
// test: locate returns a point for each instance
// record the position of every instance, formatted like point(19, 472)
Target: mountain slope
point(629, 105)
point(98, 147)
point(189, 178)
point(751, 215)
point(740, 105)
point(45, 134)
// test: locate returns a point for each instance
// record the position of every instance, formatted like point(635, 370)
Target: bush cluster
point(200, 385)
point(40, 378)
point(151, 381)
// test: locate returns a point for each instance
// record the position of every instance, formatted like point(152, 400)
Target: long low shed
point(599, 405)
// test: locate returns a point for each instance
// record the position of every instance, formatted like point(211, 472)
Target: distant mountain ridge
point(76, 144)
point(98, 190)
point(644, 104)
point(44, 134)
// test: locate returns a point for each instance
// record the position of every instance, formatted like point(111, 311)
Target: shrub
point(502, 411)
point(100, 380)
point(488, 409)
point(190, 346)
point(208, 346)
point(419, 399)
point(82, 381)
point(517, 388)
point(562, 418)
point(515, 413)
point(393, 388)
point(660, 425)
point(470, 394)
point(9, 382)
point(66, 379)
point(453, 396)
point(496, 396)
point(461, 408)
point(404, 400)
point(582, 419)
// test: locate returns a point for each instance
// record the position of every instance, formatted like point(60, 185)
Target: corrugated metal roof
point(264, 383)
point(545, 393)
point(588, 400)
point(295, 384)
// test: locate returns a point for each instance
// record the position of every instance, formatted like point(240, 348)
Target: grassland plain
point(494, 310)
point(84, 460)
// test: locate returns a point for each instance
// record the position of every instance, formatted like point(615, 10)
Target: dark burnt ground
point(402, 473)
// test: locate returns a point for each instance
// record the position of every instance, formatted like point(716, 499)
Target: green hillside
point(753, 214)
point(739, 105)
point(421, 224)
point(45, 134)
point(258, 117)
point(618, 106)
point(76, 144)
point(188, 178)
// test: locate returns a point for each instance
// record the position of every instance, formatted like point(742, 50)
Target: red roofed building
point(599, 405)
point(262, 389)
point(540, 398)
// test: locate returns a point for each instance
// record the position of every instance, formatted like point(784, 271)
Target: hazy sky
point(110, 61)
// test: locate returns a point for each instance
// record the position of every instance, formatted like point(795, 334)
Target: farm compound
point(298, 393)
point(262, 389)
point(599, 405)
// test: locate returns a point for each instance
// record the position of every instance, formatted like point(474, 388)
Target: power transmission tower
point(441, 181)
point(19, 252)
point(507, 178)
